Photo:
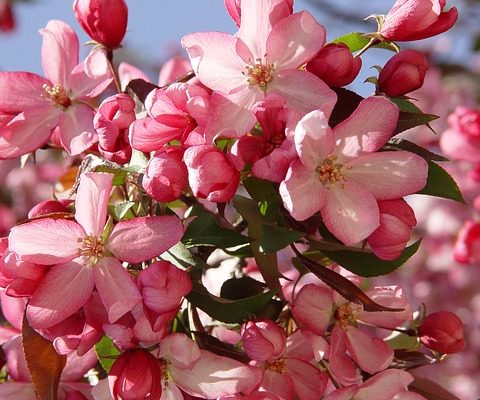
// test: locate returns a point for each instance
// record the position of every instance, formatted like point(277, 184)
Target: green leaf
point(119, 211)
point(262, 190)
point(401, 144)
point(358, 40)
point(240, 288)
point(119, 174)
point(275, 238)
point(181, 257)
point(225, 310)
point(368, 264)
point(408, 120)
point(441, 184)
point(106, 353)
point(405, 104)
point(204, 230)
point(44, 363)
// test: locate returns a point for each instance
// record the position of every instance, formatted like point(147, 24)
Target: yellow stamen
point(57, 95)
point(259, 74)
point(330, 173)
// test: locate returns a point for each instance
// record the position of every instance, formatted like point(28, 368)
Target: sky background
point(156, 26)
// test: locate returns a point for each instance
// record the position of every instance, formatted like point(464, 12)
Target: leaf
point(358, 40)
point(44, 363)
point(211, 343)
point(224, 310)
point(402, 144)
point(120, 210)
point(441, 184)
point(408, 120)
point(204, 230)
point(240, 288)
point(405, 104)
point(347, 102)
point(140, 88)
point(405, 359)
point(262, 190)
point(431, 390)
point(342, 285)
point(275, 238)
point(368, 264)
point(119, 174)
point(106, 353)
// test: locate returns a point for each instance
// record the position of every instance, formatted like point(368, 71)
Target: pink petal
point(385, 385)
point(13, 309)
point(116, 288)
point(459, 146)
point(76, 129)
point(28, 131)
point(20, 91)
point(38, 241)
point(369, 127)
point(92, 202)
point(18, 390)
point(258, 17)
point(295, 40)
point(309, 381)
point(302, 193)
point(213, 376)
point(140, 239)
point(59, 52)
point(128, 72)
point(77, 366)
point(180, 351)
point(148, 134)
point(279, 384)
point(370, 353)
point(341, 366)
point(173, 69)
point(313, 139)
point(350, 212)
point(63, 291)
point(218, 60)
point(84, 86)
point(303, 92)
point(389, 174)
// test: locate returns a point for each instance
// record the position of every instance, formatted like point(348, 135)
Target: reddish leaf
point(431, 390)
point(44, 363)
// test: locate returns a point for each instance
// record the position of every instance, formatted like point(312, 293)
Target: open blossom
point(262, 58)
point(58, 101)
point(87, 258)
point(417, 19)
point(340, 173)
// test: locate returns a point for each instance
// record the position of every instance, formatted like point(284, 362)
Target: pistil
point(57, 95)
point(259, 74)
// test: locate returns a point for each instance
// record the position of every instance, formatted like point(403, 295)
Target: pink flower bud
point(166, 175)
point(7, 21)
point(234, 9)
point(135, 375)
point(443, 331)
point(335, 65)
point(403, 73)
point(467, 246)
point(397, 220)
point(263, 340)
point(105, 21)
point(417, 19)
point(210, 175)
point(111, 122)
point(466, 121)
point(48, 207)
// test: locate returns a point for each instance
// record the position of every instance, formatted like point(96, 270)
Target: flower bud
point(397, 220)
point(467, 246)
point(443, 331)
point(263, 340)
point(111, 122)
point(7, 21)
point(105, 21)
point(135, 375)
point(417, 19)
point(335, 65)
point(48, 207)
point(166, 175)
point(403, 73)
point(210, 175)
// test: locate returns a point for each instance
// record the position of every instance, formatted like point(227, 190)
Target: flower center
point(165, 375)
point(57, 95)
point(274, 142)
point(346, 315)
point(329, 173)
point(259, 74)
point(279, 365)
point(92, 247)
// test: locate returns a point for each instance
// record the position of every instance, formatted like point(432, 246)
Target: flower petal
point(389, 175)
point(140, 239)
point(76, 129)
point(20, 91)
point(61, 293)
point(92, 202)
point(309, 381)
point(38, 241)
point(147, 134)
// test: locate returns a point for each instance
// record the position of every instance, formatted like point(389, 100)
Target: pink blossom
point(234, 9)
point(173, 69)
point(417, 19)
point(403, 73)
point(335, 65)
point(262, 58)
point(443, 331)
point(128, 72)
point(86, 258)
point(60, 100)
point(341, 174)
point(467, 246)
point(105, 21)
point(263, 340)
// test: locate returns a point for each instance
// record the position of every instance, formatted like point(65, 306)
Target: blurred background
point(432, 277)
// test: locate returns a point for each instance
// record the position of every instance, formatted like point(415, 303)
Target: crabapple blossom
point(263, 340)
point(340, 173)
point(443, 331)
point(417, 19)
point(40, 105)
point(467, 250)
point(173, 69)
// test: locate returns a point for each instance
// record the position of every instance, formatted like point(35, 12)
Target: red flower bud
point(105, 21)
point(7, 21)
point(263, 340)
point(335, 65)
point(403, 73)
point(443, 331)
point(135, 375)
point(417, 19)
